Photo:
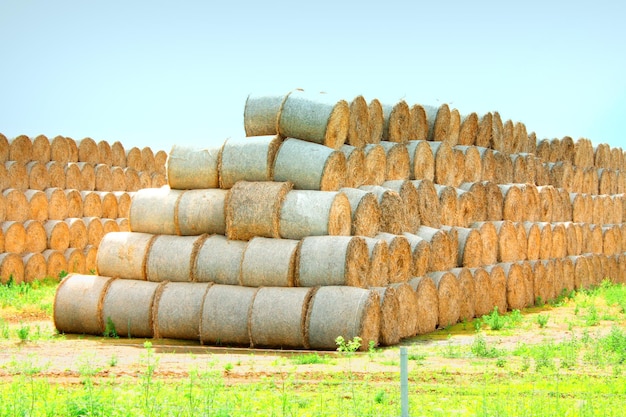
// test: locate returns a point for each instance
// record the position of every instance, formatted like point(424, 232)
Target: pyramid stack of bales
point(338, 217)
point(60, 196)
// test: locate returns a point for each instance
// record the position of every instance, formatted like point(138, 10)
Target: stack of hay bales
point(338, 217)
point(60, 196)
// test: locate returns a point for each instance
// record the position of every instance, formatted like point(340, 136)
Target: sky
point(163, 73)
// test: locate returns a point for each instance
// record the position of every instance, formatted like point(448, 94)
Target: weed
point(592, 318)
point(494, 320)
point(379, 398)
point(501, 363)
point(544, 357)
point(539, 301)
point(113, 360)
point(452, 350)
point(310, 359)
point(416, 356)
point(150, 363)
point(109, 329)
point(228, 367)
point(479, 348)
point(23, 333)
point(4, 329)
point(542, 320)
point(348, 346)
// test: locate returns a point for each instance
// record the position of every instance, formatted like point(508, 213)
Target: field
point(566, 358)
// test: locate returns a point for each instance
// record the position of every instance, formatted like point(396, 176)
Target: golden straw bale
point(420, 253)
point(4, 148)
point(147, 159)
point(59, 150)
point(314, 213)
point(88, 151)
point(56, 174)
point(248, 159)
point(376, 121)
point(11, 268)
point(145, 180)
point(498, 132)
point(482, 287)
point(396, 122)
point(74, 203)
point(438, 122)
point(428, 203)
point(105, 152)
point(21, 149)
point(441, 245)
point(602, 157)
point(485, 131)
point(41, 149)
point(410, 199)
point(455, 127)
point(448, 204)
point(421, 160)
point(533, 236)
point(529, 278)
point(466, 208)
point(77, 232)
point(75, 260)
point(378, 250)
point(427, 304)
point(36, 239)
point(365, 211)
point(472, 163)
point(131, 177)
point(409, 309)
point(503, 168)
point(73, 176)
point(418, 123)
point(17, 175)
point(17, 206)
point(37, 205)
point(393, 213)
point(459, 172)
point(470, 244)
point(134, 159)
point(375, 164)
point(445, 163)
point(398, 160)
point(356, 169)
point(5, 181)
point(467, 293)
point(3, 208)
point(118, 155)
point(34, 266)
point(123, 224)
point(269, 262)
point(359, 127)
point(95, 230)
point(497, 278)
point(103, 178)
point(513, 208)
point(56, 264)
point(389, 312)
point(400, 257)
point(469, 129)
point(160, 162)
point(72, 149)
point(515, 285)
point(177, 310)
point(14, 236)
point(57, 234)
point(92, 204)
point(157, 180)
point(478, 193)
point(449, 295)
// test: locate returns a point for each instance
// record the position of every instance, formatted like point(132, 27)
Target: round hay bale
point(172, 258)
point(393, 213)
point(147, 159)
point(467, 293)
point(602, 157)
point(17, 206)
point(396, 124)
point(530, 196)
point(568, 274)
point(559, 279)
point(109, 204)
point(410, 198)
point(561, 174)
point(543, 276)
point(56, 174)
point(448, 203)
point(418, 123)
point(498, 280)
point(618, 208)
point(428, 203)
point(582, 207)
point(503, 173)
point(75, 260)
point(421, 160)
point(473, 163)
point(449, 296)
point(145, 180)
point(513, 208)
point(36, 239)
point(508, 245)
point(11, 268)
point(617, 158)
point(3, 208)
point(495, 201)
point(59, 150)
point(365, 212)
point(17, 175)
point(310, 166)
point(261, 114)
point(485, 131)
point(14, 236)
point(91, 253)
point(317, 118)
point(74, 203)
point(533, 237)
point(522, 241)
point(378, 251)
point(110, 225)
point(248, 159)
point(466, 208)
point(226, 315)
point(105, 153)
point(559, 241)
point(157, 180)
point(427, 304)
point(482, 290)
point(103, 178)
point(92, 204)
point(314, 213)
point(356, 170)
point(490, 240)
point(201, 211)
point(420, 254)
point(58, 234)
point(124, 255)
point(193, 168)
point(606, 181)
point(375, 164)
point(343, 311)
point(441, 245)
point(497, 133)
point(88, 151)
point(529, 278)
point(154, 210)
point(597, 239)
point(57, 203)
point(459, 171)
point(72, 149)
point(118, 155)
point(470, 253)
point(56, 264)
point(4, 148)
point(520, 138)
point(77, 232)
point(469, 129)
point(34, 266)
point(547, 196)
point(78, 304)
point(160, 162)
point(400, 257)
point(610, 241)
point(590, 181)
point(128, 305)
point(376, 121)
point(407, 315)
point(38, 176)
point(118, 179)
point(398, 161)
point(219, 260)
point(359, 123)
point(332, 260)
point(577, 179)
point(37, 205)
point(177, 310)
point(445, 163)
point(478, 193)
point(278, 317)
point(455, 127)
point(269, 262)
point(95, 230)
point(389, 312)
point(124, 201)
point(133, 159)
point(72, 176)
point(253, 209)
point(21, 149)
point(438, 122)
point(515, 285)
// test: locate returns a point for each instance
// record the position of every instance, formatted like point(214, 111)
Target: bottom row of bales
point(313, 317)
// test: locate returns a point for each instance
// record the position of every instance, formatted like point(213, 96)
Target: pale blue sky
point(156, 73)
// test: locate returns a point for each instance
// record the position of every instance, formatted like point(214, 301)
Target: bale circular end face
point(359, 126)
point(177, 310)
point(366, 213)
point(449, 297)
point(393, 213)
point(482, 285)
point(34, 267)
point(397, 119)
point(78, 304)
point(389, 309)
point(379, 262)
point(11, 268)
point(422, 160)
point(59, 150)
point(515, 285)
point(76, 262)
point(355, 166)
point(418, 123)
point(343, 311)
point(128, 304)
point(427, 304)
point(375, 164)
point(467, 293)
point(376, 121)
point(269, 262)
point(398, 165)
point(400, 257)
point(469, 129)
point(407, 315)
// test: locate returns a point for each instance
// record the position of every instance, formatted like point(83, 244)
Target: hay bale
point(489, 239)
point(134, 159)
point(485, 131)
point(3, 207)
point(177, 310)
point(88, 151)
point(398, 160)
point(469, 130)
point(109, 204)
point(310, 166)
point(445, 163)
point(393, 212)
point(35, 238)
point(466, 208)
point(110, 225)
point(529, 277)
point(473, 163)
point(455, 127)
point(418, 123)
point(92, 204)
point(219, 260)
point(378, 251)
point(145, 180)
point(513, 208)
point(160, 162)
point(37, 205)
point(105, 153)
point(400, 257)
point(530, 196)
point(470, 253)
point(343, 311)
point(508, 243)
point(421, 160)
point(449, 296)
point(17, 175)
point(533, 237)
point(495, 201)
point(91, 253)
point(226, 315)
point(559, 241)
point(118, 179)
point(77, 232)
point(147, 159)
point(201, 211)
point(261, 114)
point(16, 203)
point(365, 212)
point(407, 315)
point(498, 280)
point(4, 148)
point(568, 274)
point(396, 122)
point(441, 245)
point(193, 168)
point(427, 304)
point(375, 164)
point(56, 174)
point(14, 236)
point(467, 293)
point(438, 122)
point(543, 273)
point(332, 260)
point(34, 266)
point(359, 123)
point(389, 312)
point(11, 268)
point(597, 239)
point(56, 264)
point(95, 230)
point(87, 180)
point(590, 181)
point(482, 287)
point(20, 149)
point(248, 159)
point(74, 203)
point(503, 173)
point(376, 121)
point(59, 150)
point(356, 170)
point(448, 203)
point(522, 241)
point(515, 285)
point(75, 260)
point(269, 262)
point(314, 213)
point(132, 179)
point(124, 255)
point(58, 234)
point(253, 209)
point(410, 198)
point(57, 203)
point(128, 304)
point(118, 155)
point(38, 177)
point(154, 210)
point(103, 179)
point(172, 258)
point(278, 317)
point(78, 304)
point(317, 118)
point(420, 254)
point(582, 207)
point(428, 203)
point(547, 202)
point(73, 149)
point(157, 180)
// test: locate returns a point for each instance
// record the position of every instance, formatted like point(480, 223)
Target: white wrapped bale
point(269, 262)
point(193, 168)
point(314, 213)
point(248, 159)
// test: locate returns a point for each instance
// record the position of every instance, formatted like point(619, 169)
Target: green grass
point(37, 295)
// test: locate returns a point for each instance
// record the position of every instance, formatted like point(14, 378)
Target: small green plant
point(348, 346)
point(592, 318)
point(494, 320)
point(109, 329)
point(379, 398)
point(542, 320)
point(23, 332)
point(228, 367)
point(310, 359)
point(113, 360)
point(480, 349)
point(4, 329)
point(62, 275)
point(539, 301)
point(501, 362)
